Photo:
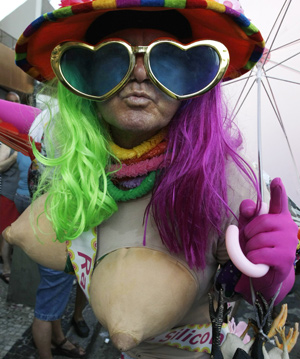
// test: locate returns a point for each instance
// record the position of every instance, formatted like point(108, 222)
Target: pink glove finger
point(262, 240)
point(247, 208)
point(263, 224)
point(279, 199)
point(238, 258)
point(247, 212)
point(272, 257)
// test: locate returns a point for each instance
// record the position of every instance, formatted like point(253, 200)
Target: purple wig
point(190, 196)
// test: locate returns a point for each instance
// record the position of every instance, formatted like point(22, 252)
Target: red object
point(20, 142)
point(15, 122)
point(9, 212)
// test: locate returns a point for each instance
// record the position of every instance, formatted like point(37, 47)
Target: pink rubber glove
point(269, 239)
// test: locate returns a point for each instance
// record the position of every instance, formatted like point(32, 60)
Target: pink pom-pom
point(65, 3)
point(233, 4)
point(138, 169)
point(265, 57)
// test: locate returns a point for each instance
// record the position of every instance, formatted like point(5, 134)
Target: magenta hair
point(190, 196)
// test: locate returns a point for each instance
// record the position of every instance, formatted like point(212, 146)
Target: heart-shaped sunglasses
point(181, 71)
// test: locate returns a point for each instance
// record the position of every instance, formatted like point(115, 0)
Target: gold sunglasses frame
point(60, 49)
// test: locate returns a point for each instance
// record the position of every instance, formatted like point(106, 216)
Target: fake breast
point(137, 291)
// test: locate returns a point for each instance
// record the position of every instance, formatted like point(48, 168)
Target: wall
point(11, 77)
point(15, 23)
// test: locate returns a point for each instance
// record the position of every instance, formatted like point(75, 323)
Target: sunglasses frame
point(60, 49)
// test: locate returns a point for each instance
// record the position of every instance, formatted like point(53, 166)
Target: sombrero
point(209, 19)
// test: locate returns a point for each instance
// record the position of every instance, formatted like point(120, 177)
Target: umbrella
point(266, 102)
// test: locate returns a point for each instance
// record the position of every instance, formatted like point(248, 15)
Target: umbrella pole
point(259, 141)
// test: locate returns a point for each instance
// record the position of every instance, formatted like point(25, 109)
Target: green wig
point(74, 169)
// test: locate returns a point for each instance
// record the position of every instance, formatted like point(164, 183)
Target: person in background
point(9, 180)
point(12, 97)
point(52, 296)
point(78, 322)
point(22, 197)
point(9, 213)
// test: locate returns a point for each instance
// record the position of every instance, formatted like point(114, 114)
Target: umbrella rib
point(240, 96)
point(282, 62)
point(276, 20)
point(276, 78)
point(277, 108)
point(285, 45)
point(279, 118)
point(242, 101)
point(279, 27)
point(272, 101)
point(237, 80)
point(286, 67)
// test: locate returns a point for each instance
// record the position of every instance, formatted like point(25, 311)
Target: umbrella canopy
point(267, 101)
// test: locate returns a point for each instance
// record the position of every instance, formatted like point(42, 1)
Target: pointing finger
point(279, 199)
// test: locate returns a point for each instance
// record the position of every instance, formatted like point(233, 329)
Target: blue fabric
point(24, 163)
point(52, 294)
point(21, 202)
point(9, 180)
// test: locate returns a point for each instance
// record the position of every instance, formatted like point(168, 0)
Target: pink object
point(239, 329)
point(20, 116)
point(239, 259)
point(265, 57)
point(233, 4)
point(64, 3)
point(269, 239)
point(15, 123)
point(139, 168)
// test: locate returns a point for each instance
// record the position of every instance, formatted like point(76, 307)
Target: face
point(140, 109)
point(12, 97)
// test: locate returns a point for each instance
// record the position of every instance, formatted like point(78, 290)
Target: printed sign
point(194, 338)
point(82, 252)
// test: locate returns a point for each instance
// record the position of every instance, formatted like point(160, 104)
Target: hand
point(270, 239)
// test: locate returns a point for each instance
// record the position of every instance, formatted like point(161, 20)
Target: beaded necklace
point(138, 151)
point(120, 195)
point(140, 165)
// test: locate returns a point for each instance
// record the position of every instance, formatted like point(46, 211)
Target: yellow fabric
point(138, 151)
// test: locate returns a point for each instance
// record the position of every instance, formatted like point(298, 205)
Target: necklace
point(137, 169)
point(120, 195)
point(138, 151)
point(140, 166)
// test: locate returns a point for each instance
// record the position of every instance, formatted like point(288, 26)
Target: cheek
point(108, 110)
point(168, 107)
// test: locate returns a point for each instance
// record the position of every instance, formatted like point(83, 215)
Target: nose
point(139, 73)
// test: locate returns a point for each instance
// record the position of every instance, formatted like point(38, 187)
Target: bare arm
point(4, 152)
point(5, 164)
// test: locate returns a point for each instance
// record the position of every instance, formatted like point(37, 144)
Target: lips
point(136, 98)
point(138, 94)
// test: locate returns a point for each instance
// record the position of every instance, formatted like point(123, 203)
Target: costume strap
point(193, 338)
point(82, 254)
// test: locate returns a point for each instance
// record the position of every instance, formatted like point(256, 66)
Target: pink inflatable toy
point(21, 116)
point(15, 122)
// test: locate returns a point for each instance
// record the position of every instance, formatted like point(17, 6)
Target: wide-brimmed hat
point(209, 19)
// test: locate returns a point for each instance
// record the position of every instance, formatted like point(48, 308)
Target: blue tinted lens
point(95, 72)
point(184, 72)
